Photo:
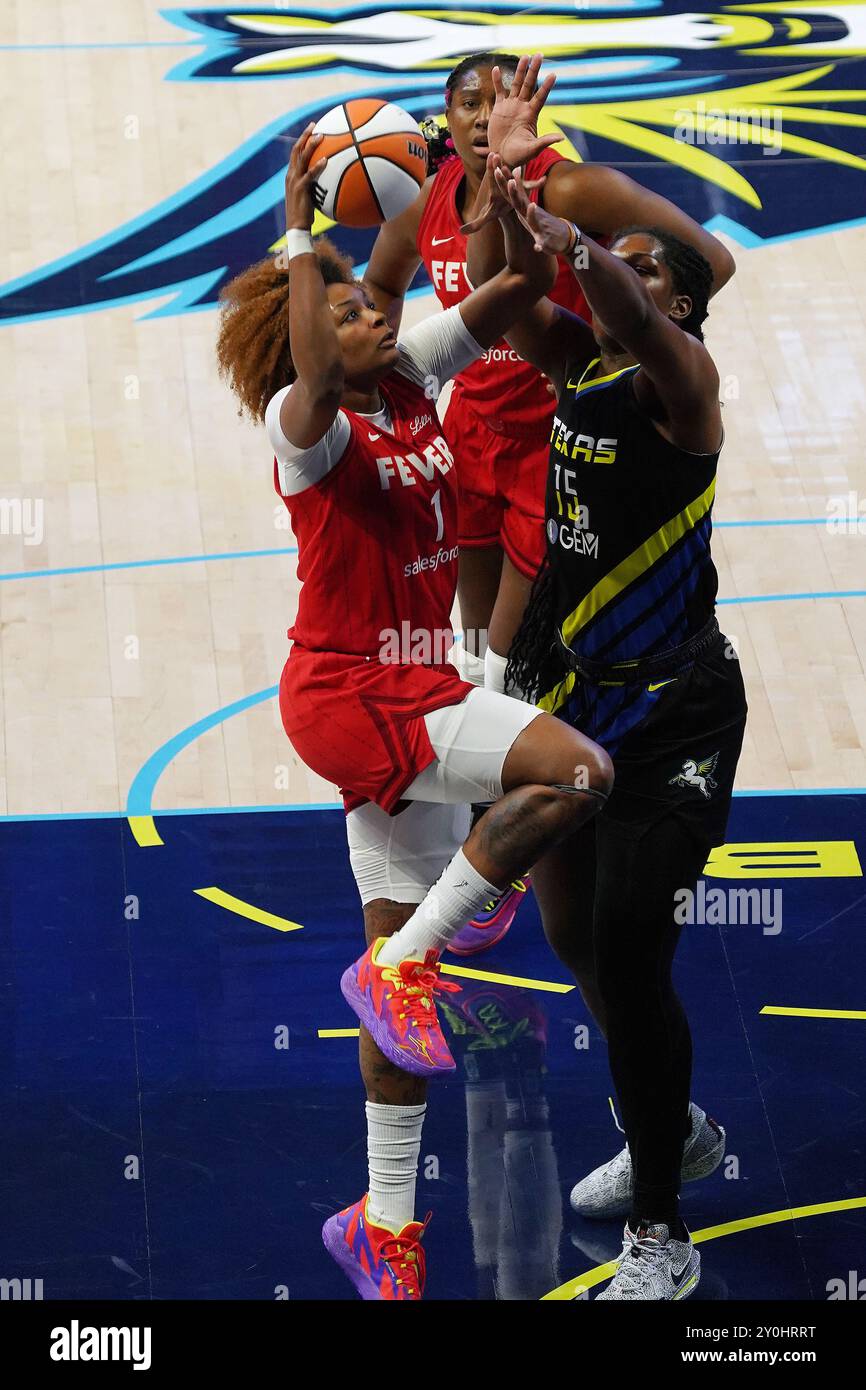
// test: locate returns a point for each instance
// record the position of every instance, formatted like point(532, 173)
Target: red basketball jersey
point(507, 391)
point(377, 538)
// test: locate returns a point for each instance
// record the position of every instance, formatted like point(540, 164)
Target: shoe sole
point(706, 1165)
point(335, 1243)
point(378, 1031)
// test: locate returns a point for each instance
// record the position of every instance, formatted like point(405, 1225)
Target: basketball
point(377, 161)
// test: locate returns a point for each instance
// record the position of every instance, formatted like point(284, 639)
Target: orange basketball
point(377, 161)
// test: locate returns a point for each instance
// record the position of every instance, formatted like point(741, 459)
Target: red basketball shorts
point(359, 722)
point(502, 479)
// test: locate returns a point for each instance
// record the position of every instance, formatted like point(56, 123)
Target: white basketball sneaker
point(607, 1191)
point(654, 1267)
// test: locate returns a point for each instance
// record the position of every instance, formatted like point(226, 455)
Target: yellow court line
point(813, 1013)
point(567, 1291)
point(255, 914)
point(339, 1032)
point(551, 986)
point(144, 830)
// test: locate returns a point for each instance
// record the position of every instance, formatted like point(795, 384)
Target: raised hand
point(549, 233)
point(512, 130)
point(300, 177)
point(496, 202)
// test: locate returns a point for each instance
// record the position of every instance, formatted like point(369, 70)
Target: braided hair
point(534, 663)
point(440, 146)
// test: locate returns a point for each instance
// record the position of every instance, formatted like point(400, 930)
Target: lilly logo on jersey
point(433, 457)
point(584, 447)
point(419, 422)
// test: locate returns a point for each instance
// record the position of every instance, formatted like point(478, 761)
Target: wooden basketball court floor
point(174, 881)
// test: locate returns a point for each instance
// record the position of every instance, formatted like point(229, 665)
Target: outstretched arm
point(395, 259)
point(680, 380)
point(310, 408)
point(544, 334)
point(604, 200)
point(503, 295)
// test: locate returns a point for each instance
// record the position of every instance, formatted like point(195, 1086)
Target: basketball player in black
point(620, 640)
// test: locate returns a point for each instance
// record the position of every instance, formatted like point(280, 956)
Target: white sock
point(449, 905)
point(471, 667)
point(393, 1145)
point(494, 671)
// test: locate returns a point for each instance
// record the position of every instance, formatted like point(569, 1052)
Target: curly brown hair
point(253, 348)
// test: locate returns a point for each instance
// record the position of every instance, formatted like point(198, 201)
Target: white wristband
point(299, 242)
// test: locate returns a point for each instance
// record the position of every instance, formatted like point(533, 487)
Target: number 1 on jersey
point(436, 502)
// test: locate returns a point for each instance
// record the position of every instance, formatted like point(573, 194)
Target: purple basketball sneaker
point(490, 925)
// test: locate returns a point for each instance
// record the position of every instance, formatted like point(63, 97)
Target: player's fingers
point(300, 144)
point(496, 74)
point(517, 198)
point(502, 182)
point(519, 75)
point(519, 185)
point(527, 85)
point(543, 92)
point(530, 77)
point(486, 215)
point(311, 144)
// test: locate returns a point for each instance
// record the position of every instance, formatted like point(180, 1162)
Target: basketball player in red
point(499, 417)
point(368, 696)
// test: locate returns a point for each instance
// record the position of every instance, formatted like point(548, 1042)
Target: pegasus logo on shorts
point(697, 774)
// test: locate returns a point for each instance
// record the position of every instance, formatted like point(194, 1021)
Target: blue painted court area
point(158, 1142)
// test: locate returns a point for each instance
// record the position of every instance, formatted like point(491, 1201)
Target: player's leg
point(479, 520)
point(544, 780)
point(479, 573)
point(640, 870)
point(521, 477)
point(564, 884)
point(511, 599)
point(493, 596)
point(377, 1241)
